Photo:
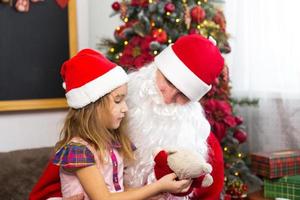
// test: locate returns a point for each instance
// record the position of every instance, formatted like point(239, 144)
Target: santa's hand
point(168, 183)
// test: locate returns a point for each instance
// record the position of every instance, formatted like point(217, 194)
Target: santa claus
point(164, 111)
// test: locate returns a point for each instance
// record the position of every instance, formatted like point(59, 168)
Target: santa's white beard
point(154, 124)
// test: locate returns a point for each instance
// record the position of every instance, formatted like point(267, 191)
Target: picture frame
point(47, 103)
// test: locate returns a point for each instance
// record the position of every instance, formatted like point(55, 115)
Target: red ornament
point(116, 6)
point(220, 19)
point(240, 135)
point(197, 14)
point(160, 35)
point(169, 7)
point(239, 120)
point(119, 32)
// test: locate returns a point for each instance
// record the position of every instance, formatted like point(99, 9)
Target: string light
point(120, 54)
point(236, 174)
point(117, 57)
point(125, 42)
point(198, 26)
point(183, 1)
point(177, 20)
point(150, 1)
point(199, 2)
point(118, 28)
point(153, 24)
point(225, 148)
point(112, 50)
point(155, 52)
point(239, 155)
point(169, 41)
point(126, 19)
point(168, 13)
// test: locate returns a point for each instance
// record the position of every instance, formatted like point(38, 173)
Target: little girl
point(94, 145)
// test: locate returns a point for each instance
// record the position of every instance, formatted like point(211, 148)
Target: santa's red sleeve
point(216, 160)
point(48, 185)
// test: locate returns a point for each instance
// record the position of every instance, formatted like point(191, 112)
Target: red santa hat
point(88, 76)
point(191, 64)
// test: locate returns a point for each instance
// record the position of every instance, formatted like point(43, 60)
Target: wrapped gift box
point(286, 187)
point(276, 164)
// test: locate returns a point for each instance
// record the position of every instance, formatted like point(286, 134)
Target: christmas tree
point(149, 27)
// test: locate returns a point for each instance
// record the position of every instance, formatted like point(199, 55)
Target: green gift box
point(276, 164)
point(285, 187)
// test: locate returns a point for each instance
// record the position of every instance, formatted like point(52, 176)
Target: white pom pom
point(64, 85)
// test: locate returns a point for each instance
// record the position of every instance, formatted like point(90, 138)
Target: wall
point(21, 130)
point(94, 22)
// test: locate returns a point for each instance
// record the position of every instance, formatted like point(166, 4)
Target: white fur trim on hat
point(93, 90)
point(180, 75)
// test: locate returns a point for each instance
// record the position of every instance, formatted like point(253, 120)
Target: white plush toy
point(185, 164)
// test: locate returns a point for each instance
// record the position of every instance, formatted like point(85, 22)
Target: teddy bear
point(186, 164)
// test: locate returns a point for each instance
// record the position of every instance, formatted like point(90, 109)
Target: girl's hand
point(169, 184)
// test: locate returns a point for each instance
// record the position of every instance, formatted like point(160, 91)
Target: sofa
point(20, 170)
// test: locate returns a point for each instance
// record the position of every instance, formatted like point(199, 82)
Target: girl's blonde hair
point(90, 122)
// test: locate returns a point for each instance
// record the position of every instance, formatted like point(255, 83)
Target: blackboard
point(33, 46)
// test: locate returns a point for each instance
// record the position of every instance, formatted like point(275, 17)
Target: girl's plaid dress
point(77, 154)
